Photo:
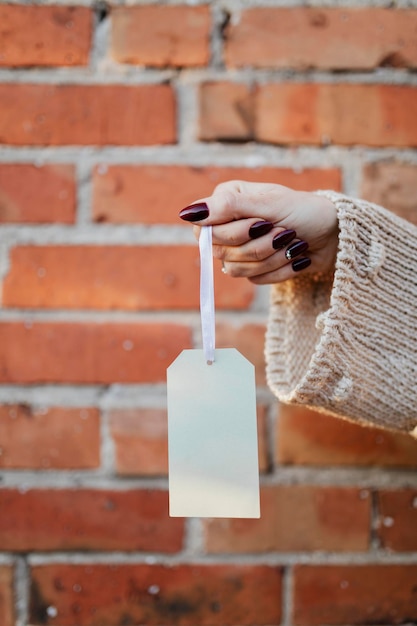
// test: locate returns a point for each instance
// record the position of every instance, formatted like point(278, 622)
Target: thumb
point(231, 201)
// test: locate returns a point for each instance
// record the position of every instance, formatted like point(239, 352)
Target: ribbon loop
point(207, 293)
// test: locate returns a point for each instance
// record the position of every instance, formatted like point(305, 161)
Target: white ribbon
point(207, 294)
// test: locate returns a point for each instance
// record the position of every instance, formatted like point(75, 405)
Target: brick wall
point(112, 118)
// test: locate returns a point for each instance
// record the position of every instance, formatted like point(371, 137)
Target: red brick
point(114, 277)
point(354, 594)
point(50, 438)
point(144, 193)
point(53, 115)
point(304, 37)
point(161, 36)
point(6, 596)
point(89, 352)
point(397, 529)
point(249, 339)
point(44, 35)
point(88, 519)
point(114, 595)
point(392, 184)
point(141, 445)
point(345, 114)
point(306, 437)
point(297, 518)
point(226, 112)
point(34, 194)
point(140, 440)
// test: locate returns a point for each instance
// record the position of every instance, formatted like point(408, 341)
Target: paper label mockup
point(212, 427)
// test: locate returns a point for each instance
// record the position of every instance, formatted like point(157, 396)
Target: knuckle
point(229, 185)
point(227, 199)
point(220, 187)
point(219, 252)
point(256, 254)
point(234, 270)
point(234, 239)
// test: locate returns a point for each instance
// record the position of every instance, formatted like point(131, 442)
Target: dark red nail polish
point(300, 264)
point(195, 212)
point(283, 238)
point(260, 228)
point(295, 249)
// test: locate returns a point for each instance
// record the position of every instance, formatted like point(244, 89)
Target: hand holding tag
point(212, 433)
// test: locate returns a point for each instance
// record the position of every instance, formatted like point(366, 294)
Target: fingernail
point(260, 228)
point(195, 212)
point(283, 238)
point(295, 249)
point(300, 264)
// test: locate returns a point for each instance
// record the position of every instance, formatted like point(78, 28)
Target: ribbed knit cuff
point(347, 344)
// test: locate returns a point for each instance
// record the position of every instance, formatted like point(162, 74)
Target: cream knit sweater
point(347, 344)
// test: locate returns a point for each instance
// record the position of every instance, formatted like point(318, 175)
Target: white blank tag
point(212, 436)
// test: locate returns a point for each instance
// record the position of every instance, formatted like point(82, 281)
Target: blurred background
point(113, 117)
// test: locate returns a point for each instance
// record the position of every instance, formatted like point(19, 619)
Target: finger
point(286, 272)
point(241, 231)
point(238, 232)
point(233, 233)
point(250, 269)
point(230, 234)
point(253, 250)
point(263, 247)
point(258, 257)
point(236, 200)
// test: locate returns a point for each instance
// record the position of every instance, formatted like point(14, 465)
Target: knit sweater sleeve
point(347, 344)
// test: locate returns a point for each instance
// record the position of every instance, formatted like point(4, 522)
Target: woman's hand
point(267, 232)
